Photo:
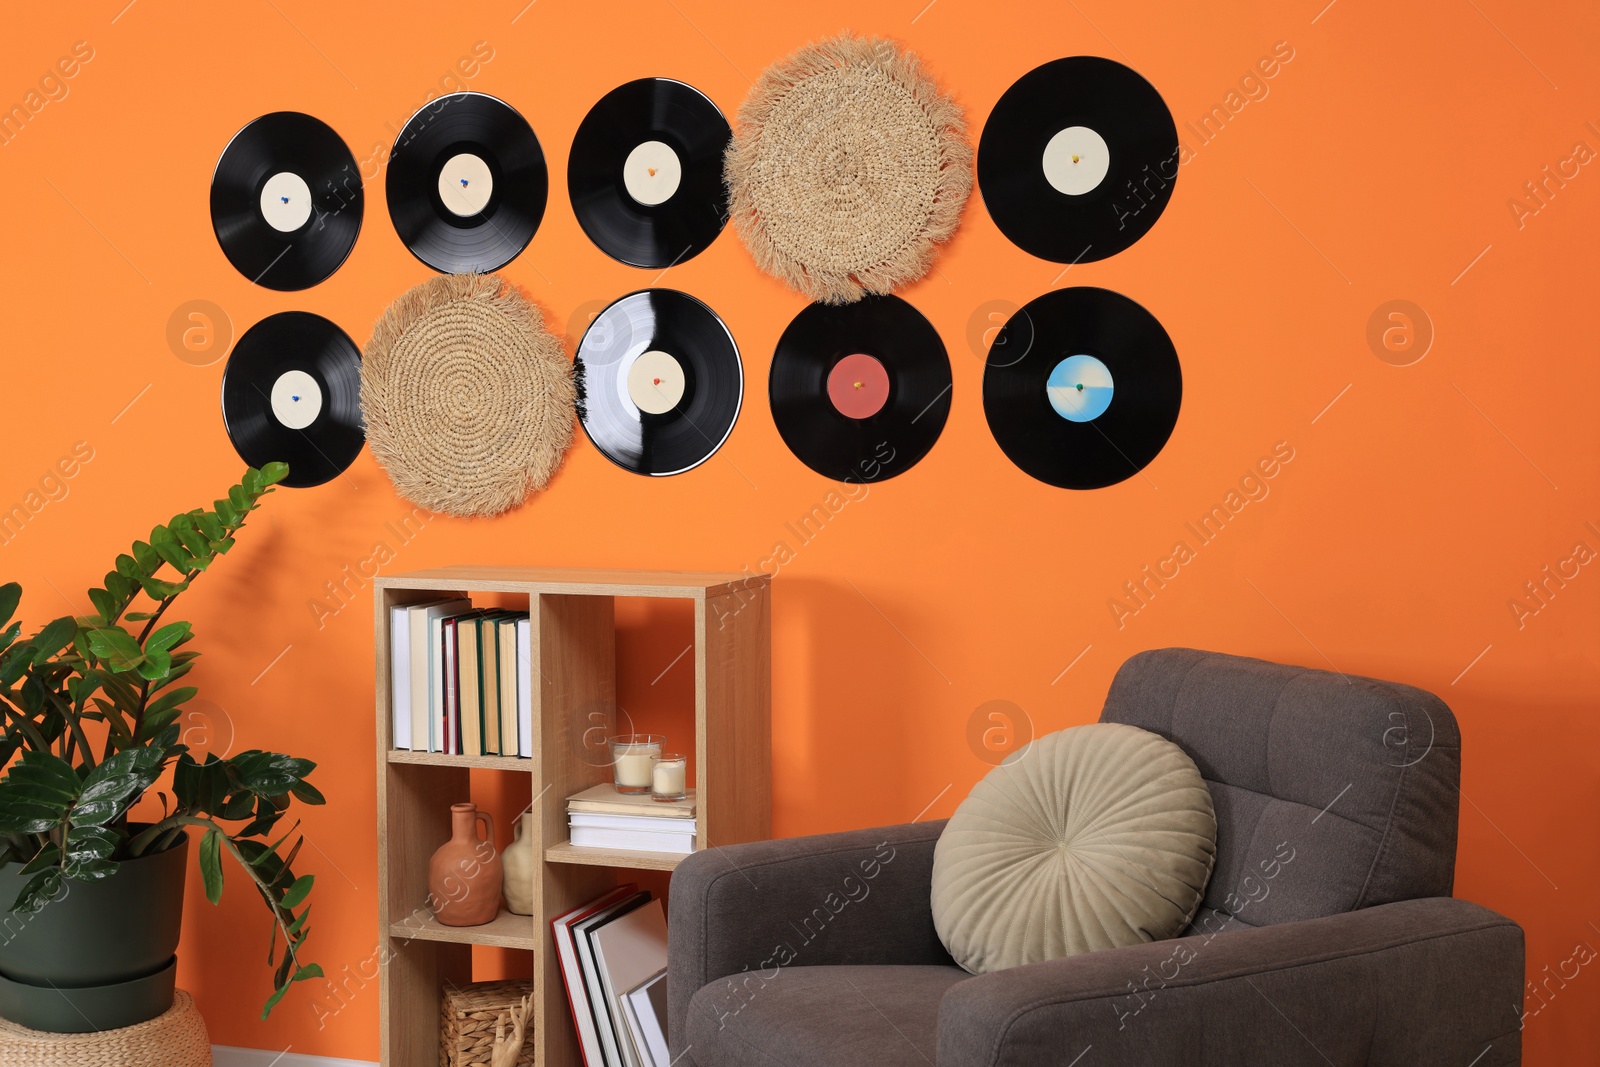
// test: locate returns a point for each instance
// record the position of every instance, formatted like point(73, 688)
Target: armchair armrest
point(1426, 981)
point(855, 897)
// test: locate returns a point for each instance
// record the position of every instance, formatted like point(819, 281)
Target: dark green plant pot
point(106, 943)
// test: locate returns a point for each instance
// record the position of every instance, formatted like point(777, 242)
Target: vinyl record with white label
point(467, 184)
point(660, 383)
point(286, 201)
point(291, 393)
point(645, 173)
point(1082, 388)
point(860, 392)
point(1078, 159)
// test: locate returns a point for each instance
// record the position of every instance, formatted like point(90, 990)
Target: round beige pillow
point(1097, 837)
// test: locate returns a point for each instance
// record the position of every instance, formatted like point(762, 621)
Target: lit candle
point(632, 758)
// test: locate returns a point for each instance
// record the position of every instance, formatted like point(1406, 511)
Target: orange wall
point(1378, 165)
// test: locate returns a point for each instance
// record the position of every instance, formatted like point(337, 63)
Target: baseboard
point(229, 1056)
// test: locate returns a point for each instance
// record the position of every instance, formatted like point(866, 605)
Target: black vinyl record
point(861, 391)
point(286, 201)
point(467, 184)
point(645, 173)
point(659, 382)
point(1082, 388)
point(291, 393)
point(1078, 159)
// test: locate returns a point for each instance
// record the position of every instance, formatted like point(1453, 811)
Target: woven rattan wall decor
point(467, 395)
point(847, 169)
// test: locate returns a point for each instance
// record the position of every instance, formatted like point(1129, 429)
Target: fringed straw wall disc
point(847, 169)
point(467, 395)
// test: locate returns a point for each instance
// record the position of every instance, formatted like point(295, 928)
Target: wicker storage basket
point(469, 1015)
point(174, 1039)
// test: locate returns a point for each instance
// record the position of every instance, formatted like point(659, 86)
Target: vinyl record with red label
point(645, 173)
point(1078, 159)
point(1082, 388)
point(659, 381)
point(291, 393)
point(467, 184)
point(860, 392)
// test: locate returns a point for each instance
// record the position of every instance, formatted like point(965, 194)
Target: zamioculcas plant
point(91, 707)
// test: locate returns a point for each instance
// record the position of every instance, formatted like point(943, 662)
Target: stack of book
point(613, 956)
point(461, 679)
point(601, 817)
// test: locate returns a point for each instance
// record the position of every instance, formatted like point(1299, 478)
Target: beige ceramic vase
point(464, 875)
point(520, 866)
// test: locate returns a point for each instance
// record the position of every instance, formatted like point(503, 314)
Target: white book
point(400, 675)
point(646, 1008)
point(631, 840)
point(524, 688)
point(644, 823)
point(628, 950)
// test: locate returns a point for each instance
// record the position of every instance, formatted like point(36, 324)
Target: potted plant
point(91, 708)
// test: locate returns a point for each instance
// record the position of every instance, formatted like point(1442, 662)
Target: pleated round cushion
point(1097, 837)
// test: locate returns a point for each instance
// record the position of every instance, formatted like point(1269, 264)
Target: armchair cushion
point(1099, 836)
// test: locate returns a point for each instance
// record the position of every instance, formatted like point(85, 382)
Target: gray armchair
point(1327, 936)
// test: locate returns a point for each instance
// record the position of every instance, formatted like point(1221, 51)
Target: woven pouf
point(176, 1038)
point(467, 396)
point(848, 168)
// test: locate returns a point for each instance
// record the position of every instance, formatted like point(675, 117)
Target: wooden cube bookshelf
point(574, 709)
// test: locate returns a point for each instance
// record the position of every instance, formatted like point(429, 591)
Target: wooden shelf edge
point(505, 930)
point(441, 759)
point(567, 852)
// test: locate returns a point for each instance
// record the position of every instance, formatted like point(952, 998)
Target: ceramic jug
point(520, 866)
point(464, 875)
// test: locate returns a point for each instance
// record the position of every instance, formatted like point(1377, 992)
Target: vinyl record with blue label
point(645, 173)
point(467, 184)
point(860, 392)
point(291, 393)
point(286, 201)
point(659, 381)
point(1082, 388)
point(1078, 159)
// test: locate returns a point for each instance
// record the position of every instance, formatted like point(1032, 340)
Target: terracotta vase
point(520, 867)
point(464, 875)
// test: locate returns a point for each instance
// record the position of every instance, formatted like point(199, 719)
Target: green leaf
point(116, 783)
point(182, 527)
point(222, 546)
point(240, 499)
point(274, 472)
point(170, 701)
point(268, 773)
point(37, 793)
point(10, 596)
point(139, 616)
point(128, 567)
point(252, 482)
point(120, 588)
point(174, 554)
point(209, 525)
point(103, 603)
point(166, 637)
point(226, 511)
point(116, 647)
point(211, 864)
point(300, 922)
point(53, 638)
point(307, 793)
point(40, 890)
point(149, 560)
point(154, 666)
point(88, 856)
point(157, 589)
point(297, 892)
point(18, 659)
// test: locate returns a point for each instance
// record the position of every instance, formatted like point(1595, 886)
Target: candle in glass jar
point(670, 779)
point(632, 758)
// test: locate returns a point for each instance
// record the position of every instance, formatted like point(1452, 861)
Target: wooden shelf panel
point(503, 931)
point(567, 852)
point(441, 759)
point(575, 582)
